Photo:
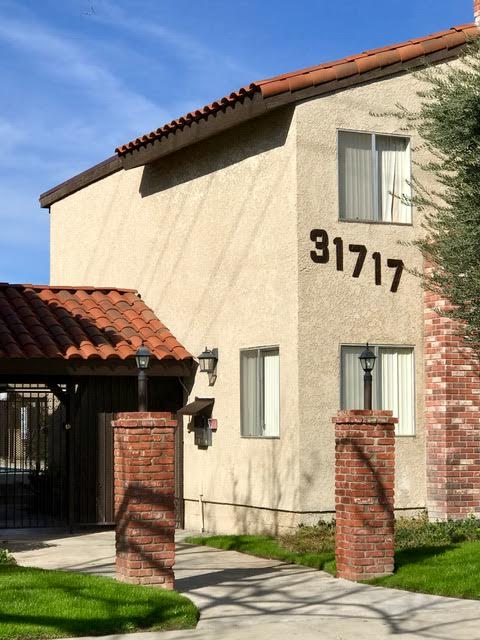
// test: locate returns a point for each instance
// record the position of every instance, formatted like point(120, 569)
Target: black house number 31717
point(321, 255)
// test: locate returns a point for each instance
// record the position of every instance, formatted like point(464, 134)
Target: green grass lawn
point(267, 547)
point(452, 570)
point(448, 570)
point(35, 603)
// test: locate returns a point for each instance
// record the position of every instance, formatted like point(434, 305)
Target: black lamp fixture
point(367, 360)
point(208, 364)
point(142, 357)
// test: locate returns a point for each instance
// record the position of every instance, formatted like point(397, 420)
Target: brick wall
point(144, 454)
point(364, 493)
point(476, 11)
point(452, 420)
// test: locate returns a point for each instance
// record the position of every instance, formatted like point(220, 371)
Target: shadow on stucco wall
point(223, 150)
point(184, 231)
point(274, 479)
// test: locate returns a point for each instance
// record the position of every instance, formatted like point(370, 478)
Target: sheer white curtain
point(389, 373)
point(397, 373)
point(355, 176)
point(271, 387)
point(249, 396)
point(393, 176)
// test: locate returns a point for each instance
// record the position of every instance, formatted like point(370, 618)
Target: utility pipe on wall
point(202, 516)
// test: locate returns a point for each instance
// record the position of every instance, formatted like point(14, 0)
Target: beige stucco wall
point(334, 307)
point(216, 239)
point(208, 236)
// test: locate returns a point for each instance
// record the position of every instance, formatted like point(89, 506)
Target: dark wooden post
point(70, 443)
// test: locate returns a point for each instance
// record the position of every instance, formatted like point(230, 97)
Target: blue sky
point(81, 77)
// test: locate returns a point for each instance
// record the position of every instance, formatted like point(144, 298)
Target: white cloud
point(182, 45)
point(72, 63)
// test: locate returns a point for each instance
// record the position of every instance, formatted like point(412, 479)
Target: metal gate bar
point(32, 457)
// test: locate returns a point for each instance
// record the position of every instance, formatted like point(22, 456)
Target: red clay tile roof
point(80, 322)
point(350, 67)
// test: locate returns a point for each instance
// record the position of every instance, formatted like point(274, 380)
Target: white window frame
point(377, 379)
point(260, 392)
point(375, 213)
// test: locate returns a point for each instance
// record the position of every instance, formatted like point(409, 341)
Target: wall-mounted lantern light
point(367, 360)
point(208, 364)
point(142, 357)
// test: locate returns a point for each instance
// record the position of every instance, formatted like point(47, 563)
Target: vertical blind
point(249, 396)
point(260, 392)
point(352, 380)
point(355, 175)
point(374, 174)
point(393, 383)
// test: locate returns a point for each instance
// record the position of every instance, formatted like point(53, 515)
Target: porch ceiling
point(47, 329)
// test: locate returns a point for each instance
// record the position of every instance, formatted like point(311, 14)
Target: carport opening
point(67, 367)
point(56, 448)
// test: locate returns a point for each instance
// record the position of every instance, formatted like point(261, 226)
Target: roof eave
point(93, 174)
point(255, 102)
point(114, 367)
point(196, 131)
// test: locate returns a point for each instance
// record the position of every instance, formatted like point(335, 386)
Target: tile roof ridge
point(367, 52)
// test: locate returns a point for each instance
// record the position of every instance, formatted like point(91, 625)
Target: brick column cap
point(152, 419)
point(364, 416)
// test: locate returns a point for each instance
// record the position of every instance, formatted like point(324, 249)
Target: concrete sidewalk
point(241, 597)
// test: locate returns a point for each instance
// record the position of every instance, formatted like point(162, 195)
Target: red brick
point(452, 418)
point(364, 493)
point(144, 498)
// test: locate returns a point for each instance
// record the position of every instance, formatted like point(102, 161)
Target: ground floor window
point(393, 383)
point(260, 392)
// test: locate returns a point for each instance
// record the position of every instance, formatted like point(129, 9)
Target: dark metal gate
point(56, 447)
point(33, 457)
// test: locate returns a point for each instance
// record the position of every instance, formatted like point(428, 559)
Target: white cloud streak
point(182, 45)
point(72, 63)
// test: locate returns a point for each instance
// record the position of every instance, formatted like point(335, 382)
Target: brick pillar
point(476, 12)
point(364, 493)
point(144, 453)
point(452, 417)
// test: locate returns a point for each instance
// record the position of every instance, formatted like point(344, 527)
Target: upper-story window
point(374, 177)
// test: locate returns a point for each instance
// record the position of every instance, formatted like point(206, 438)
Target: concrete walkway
point(241, 597)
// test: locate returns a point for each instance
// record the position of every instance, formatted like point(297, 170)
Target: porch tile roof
point(50, 322)
point(329, 73)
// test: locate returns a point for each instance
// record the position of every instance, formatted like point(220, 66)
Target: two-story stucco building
point(265, 225)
